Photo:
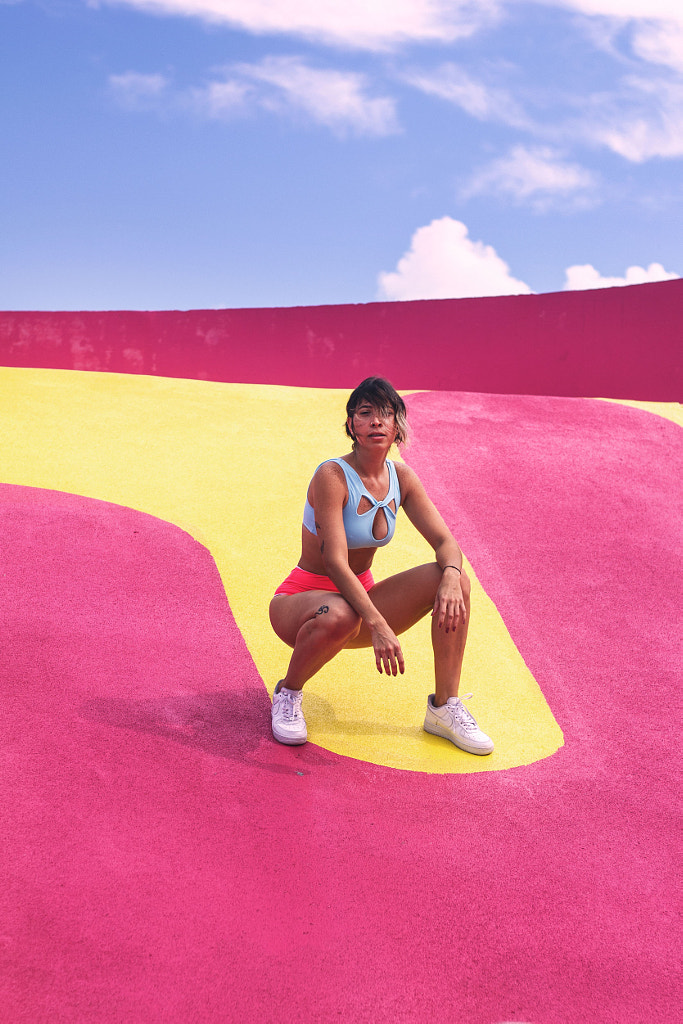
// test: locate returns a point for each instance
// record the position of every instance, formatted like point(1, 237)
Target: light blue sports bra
point(358, 525)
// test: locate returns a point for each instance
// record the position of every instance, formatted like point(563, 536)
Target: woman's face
point(373, 426)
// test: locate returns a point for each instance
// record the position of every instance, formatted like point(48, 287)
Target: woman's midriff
point(360, 559)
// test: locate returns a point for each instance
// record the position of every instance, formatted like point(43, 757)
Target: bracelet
point(452, 567)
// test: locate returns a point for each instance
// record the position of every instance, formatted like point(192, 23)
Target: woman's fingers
point(446, 613)
point(391, 663)
point(389, 658)
point(400, 661)
point(449, 611)
point(393, 666)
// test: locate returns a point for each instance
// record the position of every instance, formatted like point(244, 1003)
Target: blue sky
point(231, 153)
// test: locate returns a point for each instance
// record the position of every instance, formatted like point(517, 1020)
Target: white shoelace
point(291, 708)
point(465, 718)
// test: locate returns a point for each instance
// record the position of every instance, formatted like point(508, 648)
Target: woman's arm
point(330, 494)
point(449, 605)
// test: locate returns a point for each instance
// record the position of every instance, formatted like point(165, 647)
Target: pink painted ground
point(169, 863)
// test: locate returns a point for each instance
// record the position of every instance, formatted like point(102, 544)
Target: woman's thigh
point(288, 612)
point(403, 599)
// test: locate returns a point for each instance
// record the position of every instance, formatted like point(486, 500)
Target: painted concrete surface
point(613, 342)
point(169, 862)
point(201, 455)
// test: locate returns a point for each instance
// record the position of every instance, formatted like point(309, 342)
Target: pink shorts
point(299, 581)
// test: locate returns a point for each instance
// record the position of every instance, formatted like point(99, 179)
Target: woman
point(330, 600)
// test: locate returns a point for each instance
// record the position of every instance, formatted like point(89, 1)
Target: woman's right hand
point(388, 653)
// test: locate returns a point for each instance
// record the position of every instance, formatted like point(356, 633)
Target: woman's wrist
point(459, 571)
point(375, 621)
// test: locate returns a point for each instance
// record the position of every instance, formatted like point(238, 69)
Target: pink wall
point(615, 342)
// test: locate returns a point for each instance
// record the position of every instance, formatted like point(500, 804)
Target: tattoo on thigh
point(322, 609)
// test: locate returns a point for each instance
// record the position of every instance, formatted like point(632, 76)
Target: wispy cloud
point(137, 91)
point(651, 31)
point(388, 24)
point(455, 85)
point(585, 276)
point(538, 175)
point(660, 42)
point(218, 99)
point(646, 121)
point(358, 24)
point(444, 263)
point(640, 117)
point(623, 9)
point(338, 100)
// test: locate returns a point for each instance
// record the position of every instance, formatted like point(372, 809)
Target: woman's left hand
point(449, 605)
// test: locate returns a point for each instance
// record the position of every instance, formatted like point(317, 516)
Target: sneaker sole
point(290, 741)
point(436, 730)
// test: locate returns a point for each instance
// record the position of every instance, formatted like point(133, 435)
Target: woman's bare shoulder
point(329, 470)
point(328, 478)
point(407, 477)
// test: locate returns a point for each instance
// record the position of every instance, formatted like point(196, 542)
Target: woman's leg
point(318, 625)
point(406, 598)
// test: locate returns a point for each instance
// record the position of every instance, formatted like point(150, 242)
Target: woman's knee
point(337, 620)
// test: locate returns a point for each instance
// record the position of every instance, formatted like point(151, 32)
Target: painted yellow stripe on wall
point(230, 464)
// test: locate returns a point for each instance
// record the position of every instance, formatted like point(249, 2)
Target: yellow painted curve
point(230, 463)
point(667, 410)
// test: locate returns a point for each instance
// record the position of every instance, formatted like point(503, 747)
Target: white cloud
point(336, 99)
point(584, 276)
point(624, 9)
point(660, 43)
point(538, 175)
point(386, 24)
point(138, 91)
point(656, 27)
point(283, 85)
point(652, 127)
point(641, 116)
point(454, 84)
point(444, 263)
point(217, 99)
point(363, 24)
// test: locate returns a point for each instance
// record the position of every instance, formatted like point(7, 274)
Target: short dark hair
point(382, 395)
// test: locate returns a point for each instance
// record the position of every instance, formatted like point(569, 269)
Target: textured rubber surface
point(166, 861)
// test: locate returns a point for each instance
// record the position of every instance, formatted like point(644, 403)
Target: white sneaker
point(288, 722)
point(454, 722)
